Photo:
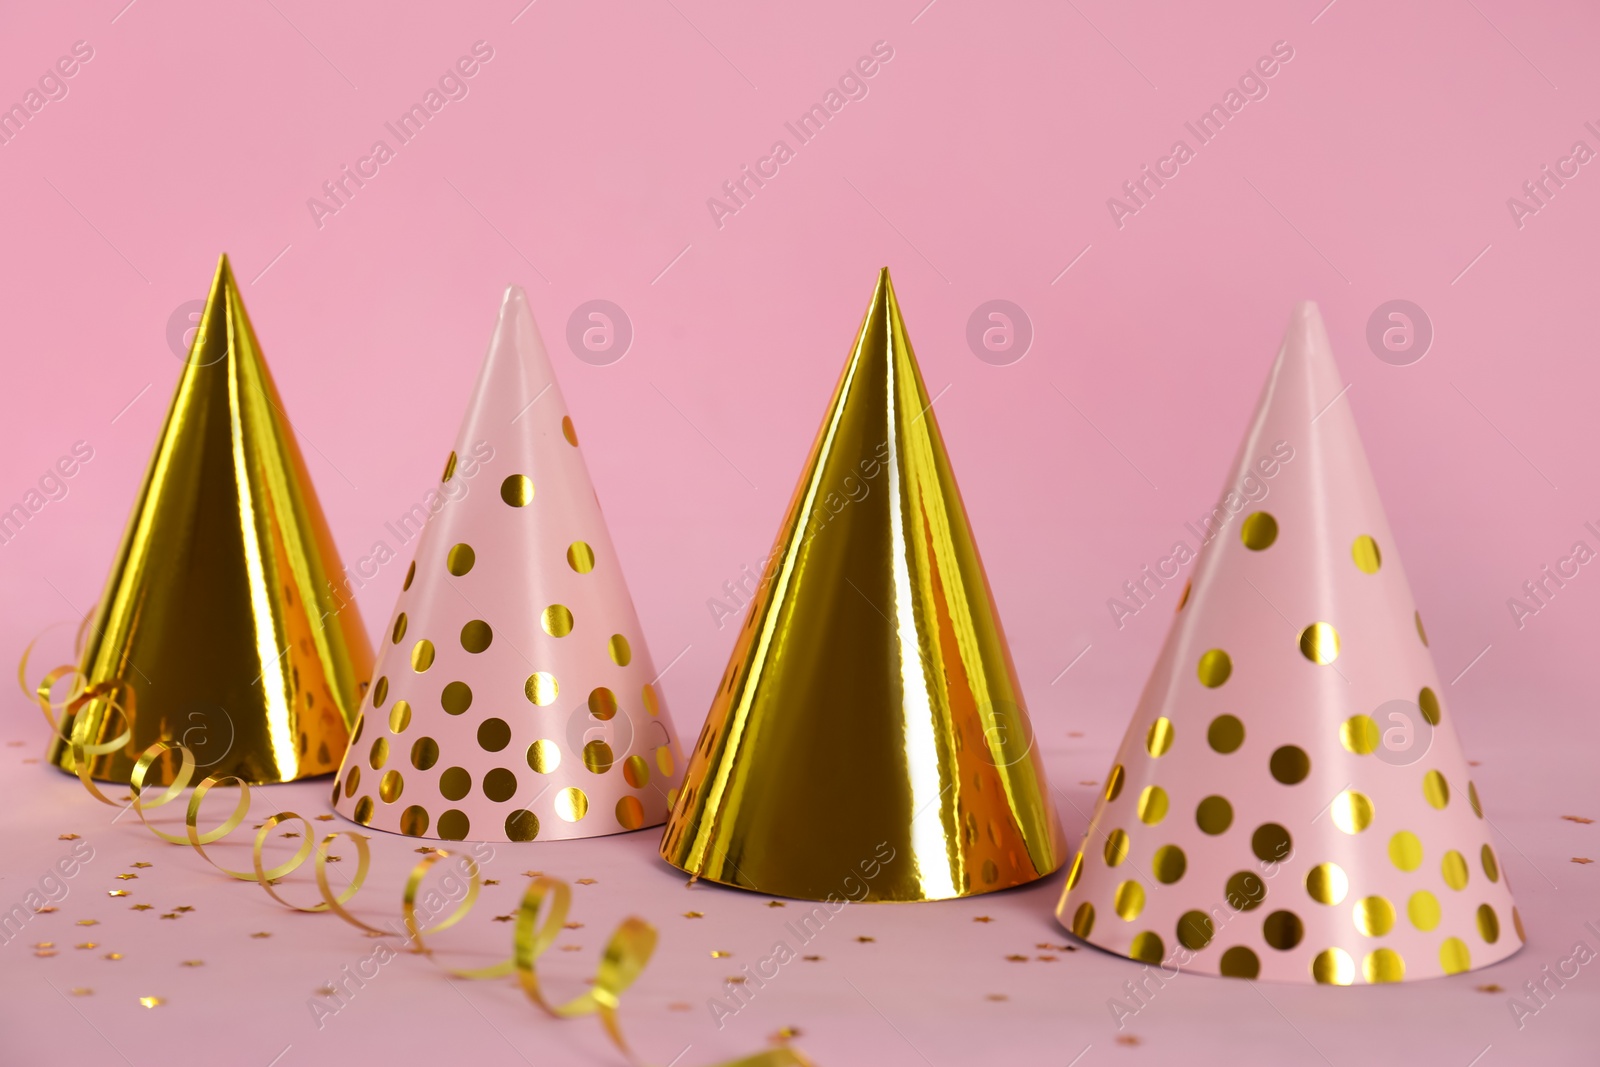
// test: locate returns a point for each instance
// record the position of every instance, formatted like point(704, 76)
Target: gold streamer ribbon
point(541, 914)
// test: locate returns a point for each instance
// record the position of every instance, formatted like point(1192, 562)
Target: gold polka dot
point(1420, 631)
point(1147, 947)
point(1195, 930)
point(1319, 643)
point(602, 703)
point(390, 787)
point(572, 804)
point(361, 724)
point(1352, 811)
point(399, 629)
point(1290, 764)
point(476, 636)
point(1169, 864)
point(1327, 884)
point(364, 811)
point(1215, 666)
point(1225, 734)
point(1116, 848)
point(1365, 552)
point(1159, 738)
point(1183, 599)
point(517, 490)
point(544, 756)
point(580, 557)
point(414, 821)
point(1359, 734)
point(422, 655)
point(557, 620)
point(1239, 962)
point(1423, 910)
point(1436, 789)
point(455, 783)
point(1152, 805)
point(1114, 783)
point(522, 825)
point(1083, 919)
point(459, 561)
point(425, 753)
point(1245, 891)
point(1271, 843)
point(1472, 798)
point(1405, 850)
point(499, 785)
point(651, 703)
point(411, 572)
point(1491, 867)
point(454, 825)
point(1128, 900)
point(1214, 815)
point(630, 813)
point(456, 697)
point(636, 772)
point(1428, 702)
point(664, 762)
point(541, 688)
point(1383, 965)
point(1454, 869)
point(449, 468)
point(1454, 957)
point(1333, 966)
point(494, 734)
point(597, 757)
point(1258, 530)
point(1374, 916)
point(380, 692)
point(399, 717)
point(1488, 924)
point(1282, 930)
point(352, 780)
point(621, 653)
point(568, 431)
point(1076, 870)
point(379, 754)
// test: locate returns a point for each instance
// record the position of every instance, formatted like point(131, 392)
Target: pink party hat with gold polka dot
point(514, 698)
point(1290, 801)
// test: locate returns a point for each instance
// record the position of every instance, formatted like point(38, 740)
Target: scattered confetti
point(572, 926)
point(326, 991)
point(1127, 1039)
point(783, 1034)
point(193, 963)
point(113, 956)
point(491, 881)
point(141, 865)
point(170, 915)
point(504, 918)
point(290, 833)
point(116, 892)
point(425, 849)
point(87, 944)
point(1578, 819)
point(152, 1002)
point(45, 944)
point(324, 818)
point(982, 919)
point(46, 910)
point(334, 859)
point(694, 915)
point(996, 996)
point(571, 948)
point(812, 959)
point(679, 1005)
point(181, 908)
point(81, 991)
point(1582, 859)
point(67, 837)
point(865, 940)
point(261, 933)
point(126, 877)
point(587, 881)
point(776, 904)
point(1074, 733)
point(1087, 782)
point(89, 922)
point(735, 979)
point(1474, 763)
point(1017, 959)
point(44, 953)
point(533, 874)
point(1049, 959)
point(142, 907)
point(1489, 987)
point(720, 954)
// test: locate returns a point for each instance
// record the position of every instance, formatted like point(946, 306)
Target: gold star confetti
point(290, 833)
point(152, 1002)
point(1582, 859)
point(46, 910)
point(86, 944)
point(785, 1033)
point(261, 933)
point(491, 881)
point(996, 996)
point(720, 954)
point(327, 991)
point(1578, 819)
point(1474, 763)
point(736, 979)
point(504, 918)
point(193, 963)
point(1489, 988)
point(323, 818)
point(982, 919)
point(142, 907)
point(571, 948)
point(113, 956)
point(184, 908)
point(1074, 733)
point(865, 940)
point(572, 926)
point(1048, 959)
point(587, 881)
point(81, 991)
point(141, 865)
point(126, 877)
point(812, 959)
point(44, 953)
point(335, 859)
point(67, 837)
point(88, 922)
point(776, 904)
point(694, 915)
point(116, 892)
point(1127, 1039)
point(425, 849)
point(1017, 959)
point(170, 915)
point(679, 1005)
point(533, 874)
point(45, 944)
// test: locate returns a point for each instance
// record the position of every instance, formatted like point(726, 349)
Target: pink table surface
point(978, 165)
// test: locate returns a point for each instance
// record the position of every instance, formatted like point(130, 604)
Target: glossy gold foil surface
point(869, 740)
point(226, 609)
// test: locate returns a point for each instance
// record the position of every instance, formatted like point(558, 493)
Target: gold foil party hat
point(221, 613)
point(869, 740)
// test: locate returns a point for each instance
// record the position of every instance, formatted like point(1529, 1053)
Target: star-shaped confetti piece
point(1017, 959)
point(1489, 987)
point(425, 849)
point(152, 1002)
point(44, 953)
point(142, 907)
point(170, 915)
point(491, 881)
point(45, 944)
point(694, 915)
point(865, 940)
point(126, 877)
point(81, 991)
point(996, 996)
point(571, 948)
point(323, 818)
point(720, 954)
point(812, 959)
point(261, 933)
point(88, 922)
point(504, 918)
point(982, 919)
point(113, 956)
point(193, 963)
point(67, 837)
point(141, 865)
point(1048, 959)
point(586, 881)
point(533, 874)
point(181, 908)
point(776, 904)
point(1584, 820)
point(326, 990)
point(116, 892)
point(87, 944)
point(1582, 859)
point(46, 910)
point(572, 926)
point(1127, 1039)
point(290, 833)
point(679, 1005)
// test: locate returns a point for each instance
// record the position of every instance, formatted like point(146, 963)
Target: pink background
point(978, 167)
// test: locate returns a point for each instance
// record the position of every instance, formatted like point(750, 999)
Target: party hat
point(220, 614)
point(1290, 800)
point(869, 739)
point(515, 698)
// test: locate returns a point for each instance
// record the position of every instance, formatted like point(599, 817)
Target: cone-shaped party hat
point(869, 739)
point(1290, 801)
point(221, 613)
point(515, 698)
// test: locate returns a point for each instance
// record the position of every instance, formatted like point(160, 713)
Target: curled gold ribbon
point(541, 914)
